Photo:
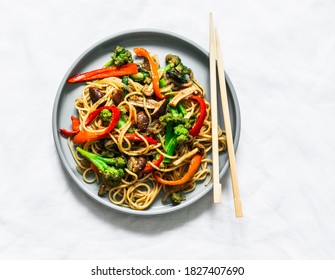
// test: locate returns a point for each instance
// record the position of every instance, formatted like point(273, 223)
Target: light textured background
point(280, 57)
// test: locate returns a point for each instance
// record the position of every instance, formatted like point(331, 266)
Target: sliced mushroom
point(95, 94)
point(185, 93)
point(161, 109)
point(141, 163)
point(144, 64)
point(158, 107)
point(136, 165)
point(117, 96)
point(138, 101)
point(142, 121)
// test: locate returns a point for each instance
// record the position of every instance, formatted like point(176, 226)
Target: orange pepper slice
point(154, 70)
point(194, 165)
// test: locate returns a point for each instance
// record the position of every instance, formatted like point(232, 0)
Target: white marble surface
point(280, 56)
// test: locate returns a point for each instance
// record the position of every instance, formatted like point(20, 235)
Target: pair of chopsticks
point(216, 63)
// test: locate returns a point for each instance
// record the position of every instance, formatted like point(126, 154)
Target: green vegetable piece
point(176, 70)
point(141, 77)
point(175, 119)
point(181, 109)
point(125, 80)
point(119, 162)
point(180, 136)
point(105, 116)
point(181, 132)
point(176, 128)
point(177, 197)
point(111, 174)
point(180, 77)
point(169, 133)
point(123, 119)
point(172, 61)
point(120, 57)
point(163, 83)
point(169, 117)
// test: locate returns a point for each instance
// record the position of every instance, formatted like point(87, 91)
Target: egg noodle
point(138, 190)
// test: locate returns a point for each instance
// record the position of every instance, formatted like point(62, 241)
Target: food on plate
point(142, 128)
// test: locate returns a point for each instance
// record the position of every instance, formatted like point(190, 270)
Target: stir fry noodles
point(142, 128)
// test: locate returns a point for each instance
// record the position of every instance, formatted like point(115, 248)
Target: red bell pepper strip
point(194, 165)
point(148, 168)
point(67, 133)
point(115, 111)
point(114, 71)
point(134, 137)
point(85, 136)
point(195, 130)
point(75, 123)
point(154, 70)
point(75, 128)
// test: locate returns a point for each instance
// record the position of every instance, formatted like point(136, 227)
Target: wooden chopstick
point(217, 190)
point(226, 118)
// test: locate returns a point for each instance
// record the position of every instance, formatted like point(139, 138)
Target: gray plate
point(160, 43)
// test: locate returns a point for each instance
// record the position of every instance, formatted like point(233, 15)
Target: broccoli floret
point(172, 61)
point(177, 197)
point(176, 70)
point(181, 132)
point(111, 174)
point(120, 57)
point(176, 130)
point(169, 117)
point(180, 135)
point(119, 162)
point(175, 119)
point(105, 116)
